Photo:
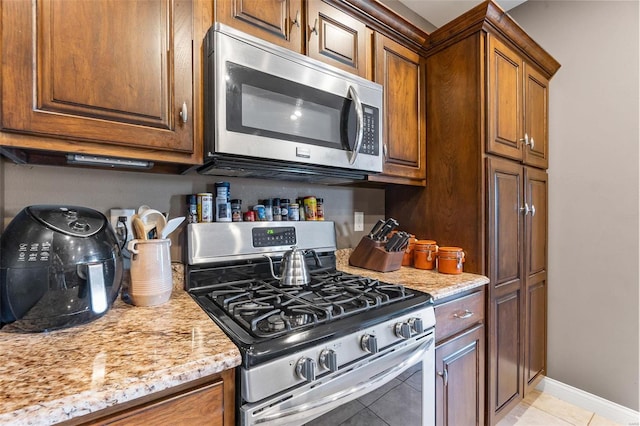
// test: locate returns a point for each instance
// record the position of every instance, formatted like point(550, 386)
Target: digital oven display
point(270, 237)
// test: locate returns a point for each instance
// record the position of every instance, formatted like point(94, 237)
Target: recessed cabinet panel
point(401, 72)
point(278, 21)
point(460, 381)
point(536, 120)
point(505, 185)
point(536, 342)
point(536, 220)
point(120, 90)
point(336, 38)
point(505, 100)
point(101, 77)
point(507, 354)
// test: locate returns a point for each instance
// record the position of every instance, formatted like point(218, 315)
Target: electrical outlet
point(115, 214)
point(358, 221)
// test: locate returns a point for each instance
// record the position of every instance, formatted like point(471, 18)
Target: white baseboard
point(590, 402)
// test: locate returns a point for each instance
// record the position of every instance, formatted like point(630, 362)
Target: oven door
point(312, 400)
point(272, 103)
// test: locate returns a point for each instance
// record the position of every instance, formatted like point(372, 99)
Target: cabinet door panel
point(505, 221)
point(536, 331)
point(507, 349)
point(95, 78)
point(277, 21)
point(536, 221)
point(536, 123)
point(460, 385)
point(505, 100)
point(401, 72)
point(336, 38)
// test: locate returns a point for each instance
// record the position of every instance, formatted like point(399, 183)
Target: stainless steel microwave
point(271, 112)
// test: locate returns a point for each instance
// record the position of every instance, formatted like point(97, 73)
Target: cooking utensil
point(171, 226)
point(377, 227)
point(389, 225)
point(153, 219)
point(140, 230)
point(293, 267)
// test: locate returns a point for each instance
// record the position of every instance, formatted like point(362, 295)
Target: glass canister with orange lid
point(450, 260)
point(424, 254)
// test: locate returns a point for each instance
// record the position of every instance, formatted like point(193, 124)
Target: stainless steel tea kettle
point(293, 267)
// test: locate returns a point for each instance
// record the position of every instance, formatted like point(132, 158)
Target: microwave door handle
point(353, 94)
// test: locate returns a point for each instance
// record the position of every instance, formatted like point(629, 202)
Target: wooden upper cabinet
point(102, 77)
point(401, 72)
point(277, 21)
point(536, 120)
point(336, 38)
point(518, 107)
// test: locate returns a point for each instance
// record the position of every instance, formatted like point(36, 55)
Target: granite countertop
point(134, 351)
point(438, 285)
point(128, 353)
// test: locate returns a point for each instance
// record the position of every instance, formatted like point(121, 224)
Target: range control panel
point(274, 236)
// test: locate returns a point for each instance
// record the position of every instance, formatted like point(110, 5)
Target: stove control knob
point(416, 325)
point(329, 360)
point(369, 343)
point(306, 369)
point(403, 329)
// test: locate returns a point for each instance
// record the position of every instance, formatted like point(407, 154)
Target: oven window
point(265, 105)
point(396, 403)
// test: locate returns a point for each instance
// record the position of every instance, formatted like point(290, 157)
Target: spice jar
point(407, 259)
point(236, 210)
point(294, 212)
point(310, 208)
point(320, 208)
point(424, 254)
point(450, 260)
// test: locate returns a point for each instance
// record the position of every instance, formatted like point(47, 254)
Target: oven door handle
point(353, 94)
point(312, 409)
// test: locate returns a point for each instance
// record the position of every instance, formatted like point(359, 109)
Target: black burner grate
point(266, 310)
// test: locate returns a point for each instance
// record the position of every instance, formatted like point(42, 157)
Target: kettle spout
point(273, 274)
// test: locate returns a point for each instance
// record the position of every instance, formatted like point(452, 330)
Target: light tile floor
point(541, 409)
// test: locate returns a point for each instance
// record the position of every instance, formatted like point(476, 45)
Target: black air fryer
point(60, 266)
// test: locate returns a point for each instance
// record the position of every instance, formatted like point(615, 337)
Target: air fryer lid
point(74, 221)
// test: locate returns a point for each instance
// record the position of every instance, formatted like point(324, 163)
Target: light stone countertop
point(438, 285)
point(128, 353)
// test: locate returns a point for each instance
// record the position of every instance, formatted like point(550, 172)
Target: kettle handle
point(315, 256)
point(97, 289)
point(273, 274)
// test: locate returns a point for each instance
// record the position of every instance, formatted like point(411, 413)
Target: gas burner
point(249, 309)
point(300, 319)
point(275, 323)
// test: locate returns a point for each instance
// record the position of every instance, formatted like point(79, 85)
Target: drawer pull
point(445, 376)
point(466, 314)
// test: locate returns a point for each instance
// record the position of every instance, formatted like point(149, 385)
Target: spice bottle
point(268, 209)
point(310, 208)
point(319, 209)
point(294, 212)
point(277, 212)
point(236, 210)
point(284, 209)
point(301, 214)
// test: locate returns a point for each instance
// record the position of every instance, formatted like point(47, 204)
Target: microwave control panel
point(370, 131)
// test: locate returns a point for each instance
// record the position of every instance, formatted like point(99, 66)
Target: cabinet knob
point(525, 209)
point(532, 143)
point(532, 210)
point(525, 139)
point(183, 112)
point(314, 30)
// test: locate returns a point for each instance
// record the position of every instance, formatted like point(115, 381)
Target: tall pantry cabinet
point(486, 189)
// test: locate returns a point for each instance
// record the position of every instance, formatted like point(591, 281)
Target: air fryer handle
point(97, 288)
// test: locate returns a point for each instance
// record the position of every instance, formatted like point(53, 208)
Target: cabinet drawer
point(459, 314)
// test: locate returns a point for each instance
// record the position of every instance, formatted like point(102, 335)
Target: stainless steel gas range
point(310, 348)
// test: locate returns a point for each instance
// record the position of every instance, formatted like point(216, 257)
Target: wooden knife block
point(371, 254)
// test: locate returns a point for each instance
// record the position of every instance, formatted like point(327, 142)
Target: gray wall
point(106, 189)
point(593, 192)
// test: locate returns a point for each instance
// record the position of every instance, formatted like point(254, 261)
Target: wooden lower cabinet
point(209, 401)
point(460, 361)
